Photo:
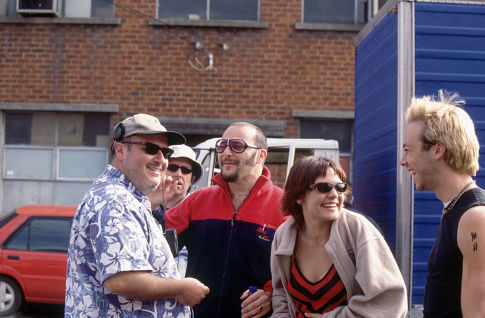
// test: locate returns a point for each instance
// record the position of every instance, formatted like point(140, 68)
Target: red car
point(33, 255)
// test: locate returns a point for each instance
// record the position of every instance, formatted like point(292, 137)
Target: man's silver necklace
point(450, 206)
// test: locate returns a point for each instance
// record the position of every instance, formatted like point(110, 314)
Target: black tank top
point(445, 263)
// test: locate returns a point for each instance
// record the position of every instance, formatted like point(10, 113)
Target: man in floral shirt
point(119, 263)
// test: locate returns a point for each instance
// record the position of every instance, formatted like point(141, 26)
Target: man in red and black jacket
point(228, 227)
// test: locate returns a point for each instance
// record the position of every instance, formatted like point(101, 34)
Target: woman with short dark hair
point(326, 260)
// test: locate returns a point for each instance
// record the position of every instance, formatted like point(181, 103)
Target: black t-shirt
point(445, 263)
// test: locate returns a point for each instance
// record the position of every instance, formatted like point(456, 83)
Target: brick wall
point(265, 74)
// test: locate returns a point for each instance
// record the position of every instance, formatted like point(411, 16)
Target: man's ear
point(439, 151)
point(192, 180)
point(118, 148)
point(263, 153)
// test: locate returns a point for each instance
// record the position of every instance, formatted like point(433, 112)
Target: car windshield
point(4, 219)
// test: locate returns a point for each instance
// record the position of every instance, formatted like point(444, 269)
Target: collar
point(115, 174)
point(264, 177)
point(288, 238)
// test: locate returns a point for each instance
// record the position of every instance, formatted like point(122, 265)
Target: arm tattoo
point(474, 241)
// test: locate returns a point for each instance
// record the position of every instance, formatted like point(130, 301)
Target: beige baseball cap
point(144, 124)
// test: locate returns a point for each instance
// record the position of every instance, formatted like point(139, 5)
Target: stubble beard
point(148, 188)
point(141, 182)
point(251, 161)
point(230, 177)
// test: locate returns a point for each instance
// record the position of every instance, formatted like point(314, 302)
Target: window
point(88, 163)
point(55, 146)
point(90, 8)
point(4, 219)
point(336, 129)
point(277, 162)
point(331, 11)
point(29, 163)
point(65, 8)
point(340, 130)
point(209, 9)
point(42, 235)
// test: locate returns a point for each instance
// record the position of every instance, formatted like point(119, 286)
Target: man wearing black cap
point(119, 264)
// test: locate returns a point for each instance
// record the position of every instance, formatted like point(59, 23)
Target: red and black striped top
point(320, 297)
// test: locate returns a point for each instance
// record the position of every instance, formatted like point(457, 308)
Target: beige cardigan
point(375, 287)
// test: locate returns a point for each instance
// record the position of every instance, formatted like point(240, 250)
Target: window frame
point(86, 149)
point(60, 8)
point(55, 172)
point(12, 16)
point(27, 223)
point(328, 26)
point(205, 21)
point(26, 147)
point(334, 116)
point(56, 149)
point(355, 19)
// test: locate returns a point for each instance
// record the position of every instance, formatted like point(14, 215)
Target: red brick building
point(69, 73)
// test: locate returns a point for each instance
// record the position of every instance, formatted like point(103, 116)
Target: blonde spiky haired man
point(441, 153)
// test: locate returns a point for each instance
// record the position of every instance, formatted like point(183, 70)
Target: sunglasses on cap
point(173, 167)
point(324, 187)
point(236, 145)
point(151, 149)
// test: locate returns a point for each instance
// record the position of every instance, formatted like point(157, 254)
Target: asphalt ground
point(34, 310)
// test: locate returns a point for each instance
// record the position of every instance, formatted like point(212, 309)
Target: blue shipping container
point(411, 48)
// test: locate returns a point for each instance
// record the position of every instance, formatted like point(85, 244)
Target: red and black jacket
point(229, 250)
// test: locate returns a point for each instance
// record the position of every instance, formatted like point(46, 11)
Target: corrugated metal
point(375, 125)
point(449, 54)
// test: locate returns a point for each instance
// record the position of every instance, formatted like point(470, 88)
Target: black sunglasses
point(151, 149)
point(324, 187)
point(236, 145)
point(173, 167)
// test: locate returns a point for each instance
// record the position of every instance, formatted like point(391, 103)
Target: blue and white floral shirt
point(113, 231)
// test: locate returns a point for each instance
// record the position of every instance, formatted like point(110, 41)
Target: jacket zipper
point(228, 250)
point(225, 264)
point(233, 218)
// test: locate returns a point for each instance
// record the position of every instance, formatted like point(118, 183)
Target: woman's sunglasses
point(236, 145)
point(324, 187)
point(151, 149)
point(173, 167)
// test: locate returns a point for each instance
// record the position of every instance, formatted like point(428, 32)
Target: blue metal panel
point(375, 126)
point(449, 54)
